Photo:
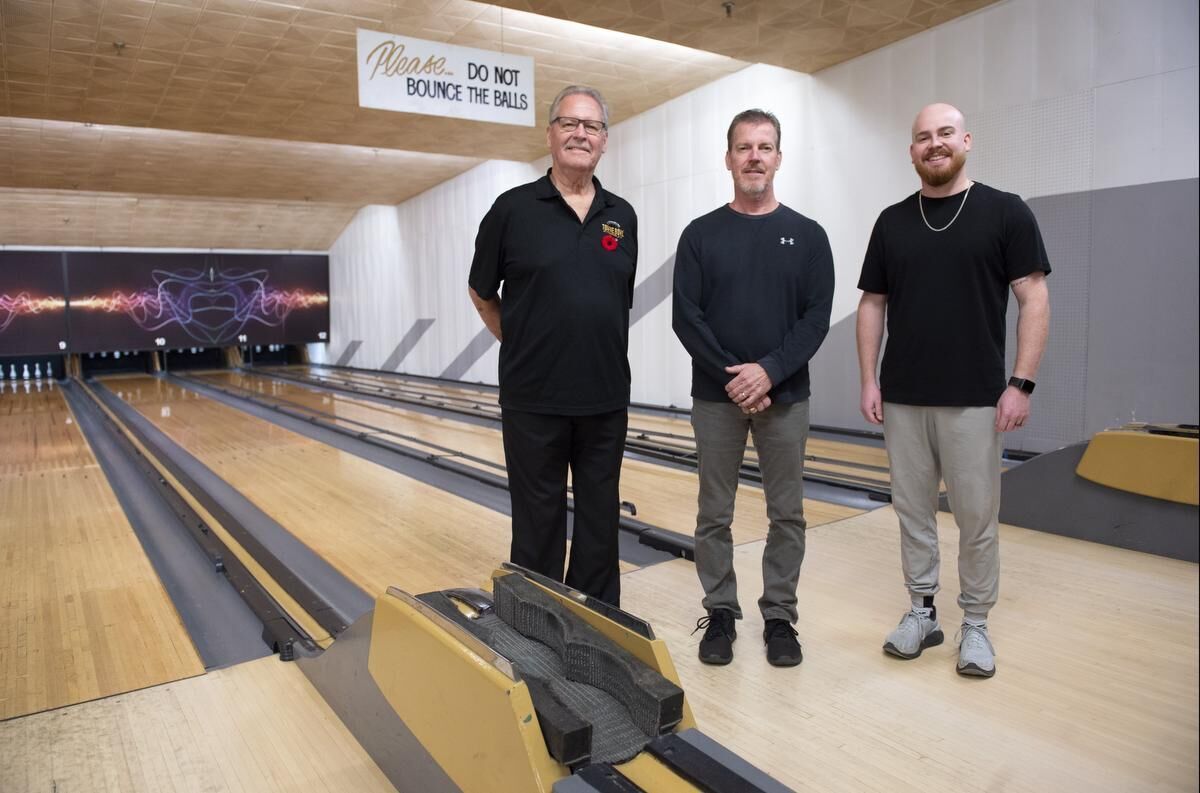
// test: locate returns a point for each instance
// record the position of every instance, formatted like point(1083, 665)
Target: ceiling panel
point(287, 70)
point(78, 218)
point(66, 155)
point(802, 35)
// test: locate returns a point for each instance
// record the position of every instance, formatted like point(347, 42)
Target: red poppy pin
point(608, 243)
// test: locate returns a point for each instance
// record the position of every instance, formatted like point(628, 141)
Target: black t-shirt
point(568, 288)
point(752, 289)
point(947, 293)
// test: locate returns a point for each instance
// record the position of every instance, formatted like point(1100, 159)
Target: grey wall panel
point(1123, 327)
point(653, 290)
point(1143, 328)
point(479, 345)
point(406, 344)
point(1057, 408)
point(833, 373)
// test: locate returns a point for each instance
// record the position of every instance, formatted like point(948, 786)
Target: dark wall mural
point(140, 301)
point(33, 306)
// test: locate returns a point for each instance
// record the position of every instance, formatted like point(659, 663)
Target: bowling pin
point(12, 372)
point(25, 372)
point(37, 371)
point(1, 373)
point(49, 371)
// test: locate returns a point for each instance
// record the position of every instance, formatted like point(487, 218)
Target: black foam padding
point(568, 738)
point(606, 610)
point(615, 738)
point(654, 703)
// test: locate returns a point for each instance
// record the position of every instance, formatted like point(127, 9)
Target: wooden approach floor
point(258, 727)
point(1096, 684)
point(664, 496)
point(82, 613)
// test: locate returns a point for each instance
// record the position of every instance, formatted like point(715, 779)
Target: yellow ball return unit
point(536, 688)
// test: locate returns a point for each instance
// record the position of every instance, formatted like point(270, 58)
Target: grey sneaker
point(915, 632)
point(976, 656)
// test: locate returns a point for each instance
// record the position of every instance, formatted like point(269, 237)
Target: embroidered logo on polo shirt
point(613, 233)
point(787, 240)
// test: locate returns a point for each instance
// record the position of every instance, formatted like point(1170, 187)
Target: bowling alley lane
point(377, 527)
point(83, 613)
point(826, 456)
point(665, 497)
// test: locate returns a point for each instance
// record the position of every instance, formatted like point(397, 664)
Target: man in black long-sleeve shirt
point(753, 292)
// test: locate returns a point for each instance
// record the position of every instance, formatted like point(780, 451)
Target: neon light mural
point(211, 305)
point(24, 304)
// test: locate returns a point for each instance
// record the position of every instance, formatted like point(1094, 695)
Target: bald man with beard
point(938, 269)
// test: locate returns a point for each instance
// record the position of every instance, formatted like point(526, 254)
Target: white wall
point(1062, 96)
point(395, 265)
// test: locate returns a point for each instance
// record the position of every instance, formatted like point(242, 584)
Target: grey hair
point(754, 116)
point(573, 90)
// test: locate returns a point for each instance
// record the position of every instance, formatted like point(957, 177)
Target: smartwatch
point(1022, 384)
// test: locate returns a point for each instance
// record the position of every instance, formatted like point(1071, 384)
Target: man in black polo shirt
point(566, 250)
point(939, 266)
point(753, 292)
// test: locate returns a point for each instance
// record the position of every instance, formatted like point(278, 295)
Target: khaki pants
point(962, 447)
point(780, 434)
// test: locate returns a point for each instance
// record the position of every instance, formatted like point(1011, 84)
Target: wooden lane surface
point(1096, 683)
point(258, 727)
point(665, 497)
point(84, 614)
point(833, 451)
point(39, 435)
point(377, 527)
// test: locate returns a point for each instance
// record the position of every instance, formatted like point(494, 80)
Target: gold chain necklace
point(956, 214)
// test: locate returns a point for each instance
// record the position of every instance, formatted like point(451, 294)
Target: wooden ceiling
point(802, 35)
point(164, 105)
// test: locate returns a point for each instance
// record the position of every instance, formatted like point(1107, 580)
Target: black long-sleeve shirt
point(752, 289)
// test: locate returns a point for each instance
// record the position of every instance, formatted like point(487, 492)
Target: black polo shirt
point(564, 309)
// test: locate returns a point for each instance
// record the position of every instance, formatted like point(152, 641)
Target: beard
point(936, 177)
point(753, 188)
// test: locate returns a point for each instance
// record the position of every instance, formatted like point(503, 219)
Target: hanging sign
point(416, 76)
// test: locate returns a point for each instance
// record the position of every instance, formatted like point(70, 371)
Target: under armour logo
point(787, 240)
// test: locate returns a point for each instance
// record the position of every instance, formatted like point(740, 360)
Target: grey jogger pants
point(961, 446)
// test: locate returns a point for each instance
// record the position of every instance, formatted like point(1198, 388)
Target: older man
point(565, 250)
point(939, 266)
point(753, 291)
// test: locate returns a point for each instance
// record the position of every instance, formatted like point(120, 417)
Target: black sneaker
point(717, 645)
point(782, 647)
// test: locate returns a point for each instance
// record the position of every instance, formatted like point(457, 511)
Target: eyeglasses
point(567, 124)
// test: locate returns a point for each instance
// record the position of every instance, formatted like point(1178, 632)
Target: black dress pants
point(538, 450)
